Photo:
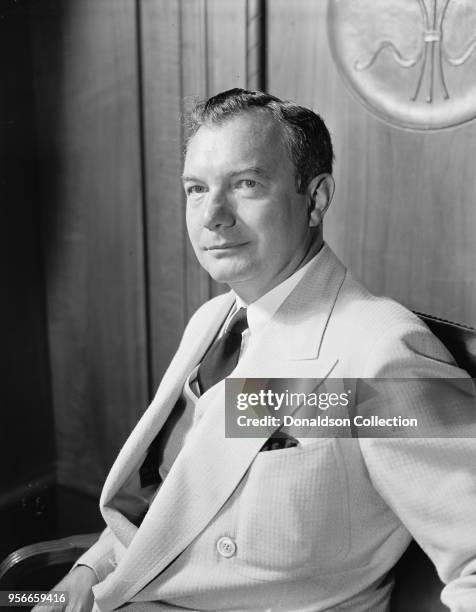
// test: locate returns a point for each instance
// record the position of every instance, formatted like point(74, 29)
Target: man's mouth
point(225, 246)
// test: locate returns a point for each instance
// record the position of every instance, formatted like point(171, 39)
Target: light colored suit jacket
point(316, 527)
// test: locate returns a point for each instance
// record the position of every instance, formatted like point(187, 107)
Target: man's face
point(247, 224)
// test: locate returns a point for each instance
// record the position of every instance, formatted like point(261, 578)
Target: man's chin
point(225, 278)
point(226, 274)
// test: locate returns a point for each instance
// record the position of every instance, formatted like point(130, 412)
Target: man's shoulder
point(380, 328)
point(355, 308)
point(371, 313)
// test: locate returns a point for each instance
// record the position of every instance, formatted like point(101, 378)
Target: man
point(234, 525)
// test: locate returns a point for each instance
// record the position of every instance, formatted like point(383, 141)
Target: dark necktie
point(222, 356)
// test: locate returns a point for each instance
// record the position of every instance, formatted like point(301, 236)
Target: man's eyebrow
point(254, 169)
point(185, 178)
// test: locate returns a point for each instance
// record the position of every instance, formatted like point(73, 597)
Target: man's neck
point(249, 293)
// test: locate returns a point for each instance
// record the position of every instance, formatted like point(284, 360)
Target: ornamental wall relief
point(410, 62)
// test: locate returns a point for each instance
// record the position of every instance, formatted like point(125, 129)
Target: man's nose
point(217, 212)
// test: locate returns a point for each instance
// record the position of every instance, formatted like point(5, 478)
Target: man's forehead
point(253, 136)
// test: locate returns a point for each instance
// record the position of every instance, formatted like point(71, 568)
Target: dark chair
point(40, 566)
point(417, 586)
point(459, 339)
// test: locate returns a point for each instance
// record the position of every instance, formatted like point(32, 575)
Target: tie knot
point(238, 323)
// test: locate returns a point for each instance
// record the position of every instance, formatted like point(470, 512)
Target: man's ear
point(319, 194)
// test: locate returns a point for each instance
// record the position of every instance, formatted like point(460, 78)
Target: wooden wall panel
point(213, 60)
point(85, 54)
point(27, 450)
point(162, 94)
point(226, 46)
point(194, 72)
point(112, 79)
point(404, 215)
point(190, 49)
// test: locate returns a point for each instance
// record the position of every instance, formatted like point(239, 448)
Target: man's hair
point(305, 134)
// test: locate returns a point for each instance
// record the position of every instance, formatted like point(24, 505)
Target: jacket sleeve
point(100, 556)
point(430, 482)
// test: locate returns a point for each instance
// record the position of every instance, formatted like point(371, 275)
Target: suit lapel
point(133, 452)
point(210, 466)
point(297, 329)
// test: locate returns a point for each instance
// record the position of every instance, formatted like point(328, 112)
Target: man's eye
point(195, 189)
point(246, 184)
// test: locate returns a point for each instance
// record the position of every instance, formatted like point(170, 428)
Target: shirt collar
point(262, 310)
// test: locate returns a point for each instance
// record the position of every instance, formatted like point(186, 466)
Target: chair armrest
point(417, 585)
point(44, 554)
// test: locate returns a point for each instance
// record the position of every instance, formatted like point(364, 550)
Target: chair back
point(459, 339)
point(417, 585)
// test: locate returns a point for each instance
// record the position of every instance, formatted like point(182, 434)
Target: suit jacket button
point(226, 547)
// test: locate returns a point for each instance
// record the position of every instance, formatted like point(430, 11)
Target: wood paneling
point(85, 54)
point(112, 80)
point(26, 429)
point(404, 215)
point(226, 45)
point(162, 93)
point(190, 49)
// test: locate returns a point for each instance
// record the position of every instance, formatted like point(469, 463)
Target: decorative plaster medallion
point(410, 62)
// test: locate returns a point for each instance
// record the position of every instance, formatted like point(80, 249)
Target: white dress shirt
point(260, 312)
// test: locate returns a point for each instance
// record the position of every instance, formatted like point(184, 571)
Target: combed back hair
point(305, 134)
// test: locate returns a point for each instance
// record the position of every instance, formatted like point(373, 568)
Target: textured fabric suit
point(317, 526)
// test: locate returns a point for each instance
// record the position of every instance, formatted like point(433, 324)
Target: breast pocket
point(293, 512)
